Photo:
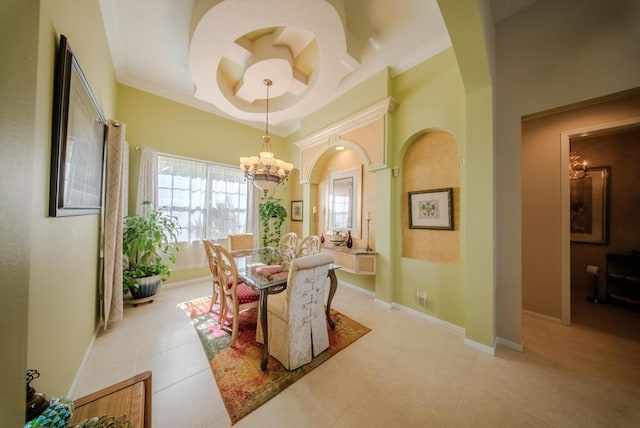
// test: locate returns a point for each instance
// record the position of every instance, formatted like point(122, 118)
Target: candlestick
point(368, 221)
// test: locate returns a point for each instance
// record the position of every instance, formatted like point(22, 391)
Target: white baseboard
point(542, 316)
point(356, 288)
point(480, 347)
point(391, 305)
point(509, 344)
point(74, 384)
point(429, 318)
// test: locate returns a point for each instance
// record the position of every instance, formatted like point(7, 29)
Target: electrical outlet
point(422, 297)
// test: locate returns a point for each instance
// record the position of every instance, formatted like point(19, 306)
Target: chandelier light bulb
point(265, 171)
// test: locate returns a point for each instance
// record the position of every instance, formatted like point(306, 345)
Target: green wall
point(177, 129)
point(63, 291)
point(430, 96)
point(19, 25)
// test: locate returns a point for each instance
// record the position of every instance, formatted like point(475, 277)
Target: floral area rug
point(243, 385)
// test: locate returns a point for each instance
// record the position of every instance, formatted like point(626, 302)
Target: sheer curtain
point(253, 220)
point(210, 201)
point(113, 212)
point(147, 179)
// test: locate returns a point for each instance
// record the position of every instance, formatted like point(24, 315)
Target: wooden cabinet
point(131, 397)
point(623, 279)
point(353, 260)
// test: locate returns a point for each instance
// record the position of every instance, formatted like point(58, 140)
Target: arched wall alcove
point(431, 162)
point(351, 157)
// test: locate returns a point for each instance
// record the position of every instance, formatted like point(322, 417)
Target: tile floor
point(407, 372)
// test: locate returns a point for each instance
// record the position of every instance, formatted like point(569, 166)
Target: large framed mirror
point(344, 202)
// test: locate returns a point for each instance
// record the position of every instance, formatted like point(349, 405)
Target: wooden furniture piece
point(354, 260)
point(288, 245)
point(309, 246)
point(131, 398)
point(243, 241)
point(238, 295)
point(623, 279)
point(216, 293)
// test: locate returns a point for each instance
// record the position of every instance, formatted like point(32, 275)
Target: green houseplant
point(272, 216)
point(149, 244)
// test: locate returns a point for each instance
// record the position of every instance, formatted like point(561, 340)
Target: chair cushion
point(269, 269)
point(246, 294)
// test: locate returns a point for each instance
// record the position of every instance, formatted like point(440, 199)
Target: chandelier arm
point(265, 171)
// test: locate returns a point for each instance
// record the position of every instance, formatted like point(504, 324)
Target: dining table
point(266, 271)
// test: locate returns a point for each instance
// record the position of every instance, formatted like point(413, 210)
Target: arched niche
point(431, 161)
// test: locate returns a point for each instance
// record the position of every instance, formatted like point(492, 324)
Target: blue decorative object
point(55, 416)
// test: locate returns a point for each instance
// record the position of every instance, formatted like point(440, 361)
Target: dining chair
point(216, 295)
point(287, 247)
point(296, 317)
point(242, 241)
point(238, 295)
point(309, 246)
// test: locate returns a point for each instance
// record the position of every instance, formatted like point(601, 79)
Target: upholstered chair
point(287, 247)
point(309, 246)
point(215, 278)
point(238, 295)
point(243, 241)
point(296, 317)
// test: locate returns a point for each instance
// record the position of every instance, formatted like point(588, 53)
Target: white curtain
point(113, 212)
point(253, 222)
point(148, 179)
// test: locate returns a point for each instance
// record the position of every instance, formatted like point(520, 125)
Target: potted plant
point(149, 244)
point(272, 214)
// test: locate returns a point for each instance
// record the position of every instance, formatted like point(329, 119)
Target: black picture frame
point(77, 141)
point(431, 209)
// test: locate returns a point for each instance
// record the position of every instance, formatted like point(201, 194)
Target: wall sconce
point(315, 212)
point(577, 166)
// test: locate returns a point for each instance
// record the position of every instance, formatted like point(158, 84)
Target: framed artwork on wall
point(431, 209)
point(588, 206)
point(77, 141)
point(296, 210)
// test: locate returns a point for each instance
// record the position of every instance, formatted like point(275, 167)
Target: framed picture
point(78, 141)
point(296, 210)
point(431, 209)
point(588, 206)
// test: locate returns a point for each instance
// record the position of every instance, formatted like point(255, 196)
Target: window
point(209, 199)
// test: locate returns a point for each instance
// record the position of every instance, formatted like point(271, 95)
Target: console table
point(354, 260)
point(131, 398)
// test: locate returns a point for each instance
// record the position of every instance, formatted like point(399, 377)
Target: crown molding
point(355, 121)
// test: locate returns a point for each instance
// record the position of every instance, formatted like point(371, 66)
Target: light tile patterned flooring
point(407, 372)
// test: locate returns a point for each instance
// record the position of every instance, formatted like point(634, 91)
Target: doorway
point(612, 156)
point(546, 249)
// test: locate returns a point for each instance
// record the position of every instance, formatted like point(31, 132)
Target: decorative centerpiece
point(37, 402)
point(337, 239)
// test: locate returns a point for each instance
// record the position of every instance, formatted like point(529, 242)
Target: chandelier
point(577, 166)
point(265, 171)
